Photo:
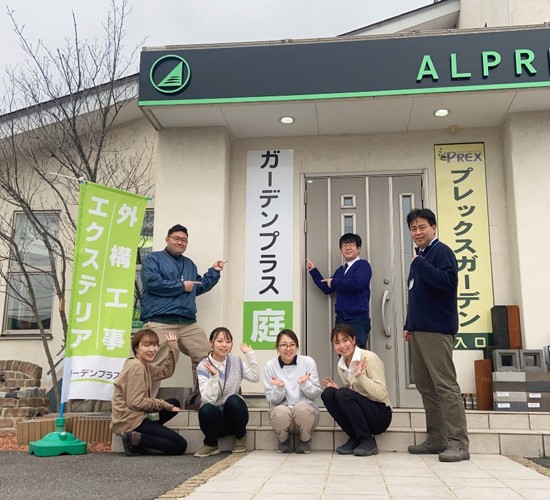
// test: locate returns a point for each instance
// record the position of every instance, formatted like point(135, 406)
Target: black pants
point(220, 421)
point(155, 436)
point(358, 416)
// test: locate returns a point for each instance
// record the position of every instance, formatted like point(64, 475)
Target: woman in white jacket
point(223, 411)
point(291, 385)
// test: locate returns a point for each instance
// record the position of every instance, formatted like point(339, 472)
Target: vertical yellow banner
point(463, 224)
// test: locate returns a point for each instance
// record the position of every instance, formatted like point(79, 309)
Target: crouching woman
point(291, 385)
point(362, 407)
point(223, 411)
point(138, 417)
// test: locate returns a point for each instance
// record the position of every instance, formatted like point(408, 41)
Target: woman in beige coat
point(137, 416)
point(362, 407)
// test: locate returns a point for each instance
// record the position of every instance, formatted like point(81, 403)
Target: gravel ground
point(95, 475)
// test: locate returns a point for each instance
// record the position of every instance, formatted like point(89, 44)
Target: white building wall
point(201, 179)
point(363, 154)
point(497, 13)
point(527, 141)
point(192, 189)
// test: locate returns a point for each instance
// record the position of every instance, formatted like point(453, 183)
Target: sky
point(182, 22)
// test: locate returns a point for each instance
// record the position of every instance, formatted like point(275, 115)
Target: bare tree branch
point(61, 115)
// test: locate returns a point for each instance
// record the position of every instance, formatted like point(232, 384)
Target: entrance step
point(498, 433)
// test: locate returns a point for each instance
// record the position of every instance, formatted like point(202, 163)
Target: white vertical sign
point(269, 243)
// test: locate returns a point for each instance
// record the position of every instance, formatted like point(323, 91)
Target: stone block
point(254, 418)
point(396, 440)
point(538, 406)
point(524, 445)
point(322, 439)
point(25, 367)
point(531, 360)
point(8, 402)
point(12, 364)
point(510, 406)
point(418, 420)
point(194, 418)
point(540, 397)
point(509, 386)
point(508, 421)
point(506, 360)
point(116, 444)
point(34, 402)
point(400, 419)
point(509, 377)
point(36, 372)
point(7, 422)
point(484, 442)
point(477, 420)
point(539, 422)
point(28, 392)
point(265, 439)
point(538, 386)
point(325, 419)
point(509, 396)
point(537, 376)
point(19, 412)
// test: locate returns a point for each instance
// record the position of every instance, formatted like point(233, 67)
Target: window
point(348, 223)
point(348, 201)
point(31, 272)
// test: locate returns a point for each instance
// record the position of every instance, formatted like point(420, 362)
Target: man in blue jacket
point(171, 284)
point(432, 323)
point(351, 282)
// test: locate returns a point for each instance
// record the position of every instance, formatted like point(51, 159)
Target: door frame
point(422, 173)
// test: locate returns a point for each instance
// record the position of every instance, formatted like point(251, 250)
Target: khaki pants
point(301, 419)
point(192, 342)
point(435, 378)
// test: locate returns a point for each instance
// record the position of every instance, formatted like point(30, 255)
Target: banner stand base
point(58, 443)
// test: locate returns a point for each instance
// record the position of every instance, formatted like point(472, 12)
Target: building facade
point(364, 147)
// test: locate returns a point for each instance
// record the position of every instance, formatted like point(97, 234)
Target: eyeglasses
point(287, 346)
point(178, 240)
point(348, 245)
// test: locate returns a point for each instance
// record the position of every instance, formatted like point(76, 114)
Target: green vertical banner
point(101, 306)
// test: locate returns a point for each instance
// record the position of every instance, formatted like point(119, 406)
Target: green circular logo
point(170, 74)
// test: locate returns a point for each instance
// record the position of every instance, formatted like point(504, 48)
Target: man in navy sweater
point(351, 282)
point(432, 323)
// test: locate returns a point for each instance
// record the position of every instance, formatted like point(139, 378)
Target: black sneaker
point(129, 449)
point(347, 448)
point(304, 447)
point(284, 447)
point(366, 448)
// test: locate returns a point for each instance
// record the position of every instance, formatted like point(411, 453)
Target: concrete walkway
point(266, 475)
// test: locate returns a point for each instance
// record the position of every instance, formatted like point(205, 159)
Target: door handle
point(385, 299)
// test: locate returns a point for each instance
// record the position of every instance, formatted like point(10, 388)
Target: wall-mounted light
point(286, 120)
point(441, 112)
